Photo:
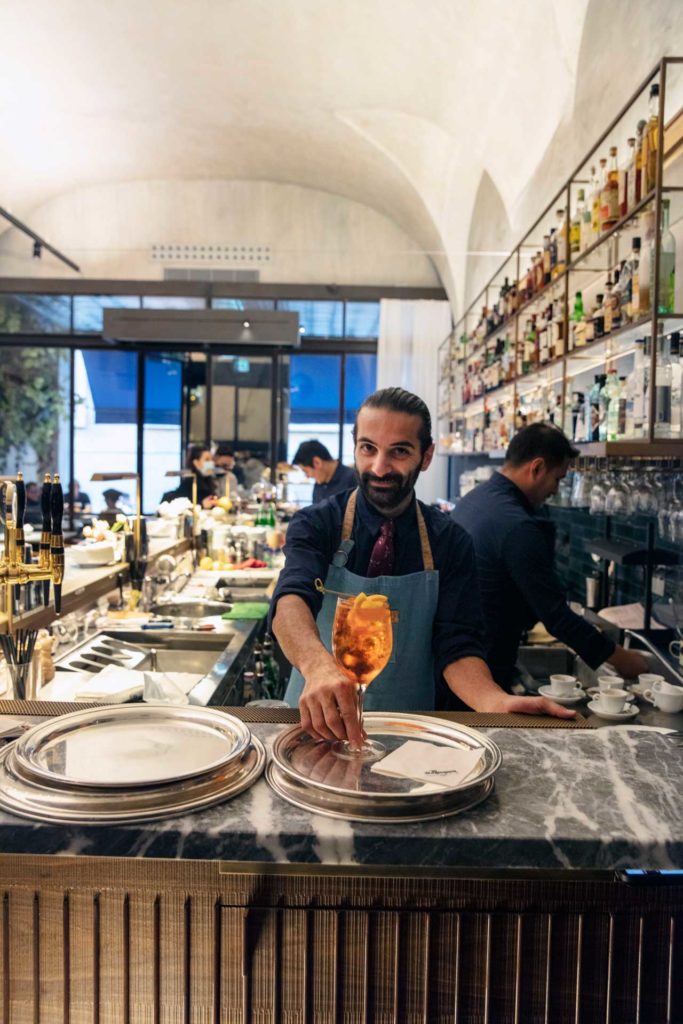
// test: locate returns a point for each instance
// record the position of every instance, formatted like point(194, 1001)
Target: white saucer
point(592, 691)
point(575, 698)
point(620, 716)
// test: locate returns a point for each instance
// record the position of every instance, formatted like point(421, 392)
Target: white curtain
point(410, 333)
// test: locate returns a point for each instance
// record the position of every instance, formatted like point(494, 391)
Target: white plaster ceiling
point(398, 104)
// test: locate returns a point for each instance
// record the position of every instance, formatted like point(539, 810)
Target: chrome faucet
point(630, 634)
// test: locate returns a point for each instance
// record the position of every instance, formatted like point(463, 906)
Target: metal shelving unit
point(578, 272)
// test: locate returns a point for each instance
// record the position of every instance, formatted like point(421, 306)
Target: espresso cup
point(612, 701)
point(610, 683)
point(564, 686)
point(676, 649)
point(670, 700)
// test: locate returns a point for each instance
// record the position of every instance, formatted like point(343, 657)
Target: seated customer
point(330, 476)
point(514, 549)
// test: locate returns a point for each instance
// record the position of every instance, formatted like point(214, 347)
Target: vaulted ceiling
point(401, 105)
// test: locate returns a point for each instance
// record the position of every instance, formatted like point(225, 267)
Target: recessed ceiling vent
point(172, 253)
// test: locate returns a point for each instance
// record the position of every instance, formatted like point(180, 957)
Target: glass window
point(362, 320)
point(242, 304)
point(314, 412)
point(318, 319)
point(195, 398)
point(88, 309)
point(105, 422)
point(34, 412)
point(241, 412)
point(172, 302)
point(35, 314)
point(361, 381)
point(162, 427)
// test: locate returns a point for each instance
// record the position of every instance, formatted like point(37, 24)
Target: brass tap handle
point(21, 505)
point(57, 542)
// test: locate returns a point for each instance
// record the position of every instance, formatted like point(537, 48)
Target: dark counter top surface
point(564, 799)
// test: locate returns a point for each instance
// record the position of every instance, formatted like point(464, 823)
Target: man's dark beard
point(390, 498)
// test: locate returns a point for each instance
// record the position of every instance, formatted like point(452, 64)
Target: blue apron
point(407, 681)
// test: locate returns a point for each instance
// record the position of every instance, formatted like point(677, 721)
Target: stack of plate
point(126, 763)
point(310, 775)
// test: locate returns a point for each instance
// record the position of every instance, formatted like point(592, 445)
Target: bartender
point(514, 548)
point(330, 475)
point(380, 539)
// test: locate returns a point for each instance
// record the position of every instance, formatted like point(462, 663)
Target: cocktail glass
point(361, 642)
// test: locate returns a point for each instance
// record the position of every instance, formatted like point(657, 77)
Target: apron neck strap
point(347, 527)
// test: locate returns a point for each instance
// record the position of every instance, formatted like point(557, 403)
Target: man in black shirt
point(330, 476)
point(514, 550)
point(381, 540)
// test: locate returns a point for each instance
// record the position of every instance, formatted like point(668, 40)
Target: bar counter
point(257, 911)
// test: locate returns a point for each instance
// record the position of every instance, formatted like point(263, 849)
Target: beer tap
point(46, 535)
point(14, 570)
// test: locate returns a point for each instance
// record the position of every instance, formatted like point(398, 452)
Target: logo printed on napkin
point(430, 762)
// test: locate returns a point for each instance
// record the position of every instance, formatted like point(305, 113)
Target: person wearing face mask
point(380, 539)
point(200, 460)
point(514, 548)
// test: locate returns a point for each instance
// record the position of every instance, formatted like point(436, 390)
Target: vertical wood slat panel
point(413, 967)
point(172, 980)
point(534, 940)
point(353, 966)
point(594, 969)
point(22, 959)
point(113, 959)
point(674, 986)
point(202, 958)
point(655, 967)
point(144, 953)
point(323, 943)
point(52, 965)
point(233, 966)
point(83, 965)
point(293, 939)
point(625, 978)
point(503, 964)
point(383, 968)
point(261, 954)
point(564, 967)
point(444, 962)
point(473, 967)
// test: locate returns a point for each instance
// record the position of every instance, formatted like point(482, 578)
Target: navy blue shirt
point(314, 535)
point(343, 479)
point(517, 582)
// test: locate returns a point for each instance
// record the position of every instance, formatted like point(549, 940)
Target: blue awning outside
point(112, 377)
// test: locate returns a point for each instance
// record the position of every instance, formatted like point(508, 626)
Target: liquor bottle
point(578, 426)
point(621, 409)
point(576, 225)
point(649, 151)
point(547, 267)
point(631, 193)
point(578, 324)
point(676, 384)
point(616, 300)
point(609, 194)
point(635, 393)
point(640, 141)
point(593, 409)
point(663, 382)
point(599, 317)
point(560, 262)
point(622, 182)
point(614, 396)
point(607, 306)
point(597, 181)
point(558, 330)
point(604, 399)
point(630, 284)
point(543, 342)
point(272, 669)
point(588, 328)
point(667, 266)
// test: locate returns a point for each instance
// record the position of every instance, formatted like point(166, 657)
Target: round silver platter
point(127, 745)
point(40, 800)
point(306, 772)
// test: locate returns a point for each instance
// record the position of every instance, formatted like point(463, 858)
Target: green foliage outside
point(33, 403)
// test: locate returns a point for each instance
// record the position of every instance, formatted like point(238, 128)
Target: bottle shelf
point(575, 264)
point(659, 448)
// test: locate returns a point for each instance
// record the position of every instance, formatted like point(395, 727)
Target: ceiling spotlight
point(246, 324)
point(37, 250)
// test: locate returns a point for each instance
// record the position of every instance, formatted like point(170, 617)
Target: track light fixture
point(37, 250)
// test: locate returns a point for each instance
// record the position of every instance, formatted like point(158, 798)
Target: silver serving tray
point(359, 808)
point(34, 799)
point(127, 745)
point(312, 763)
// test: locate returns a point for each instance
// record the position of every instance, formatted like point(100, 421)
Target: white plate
point(620, 716)
point(576, 698)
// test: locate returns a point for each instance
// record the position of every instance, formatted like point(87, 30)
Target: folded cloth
point(248, 610)
point(430, 762)
point(113, 685)
point(161, 688)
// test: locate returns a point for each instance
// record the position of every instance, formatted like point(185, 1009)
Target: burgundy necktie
point(382, 557)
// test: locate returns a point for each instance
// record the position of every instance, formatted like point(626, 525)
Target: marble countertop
point(575, 799)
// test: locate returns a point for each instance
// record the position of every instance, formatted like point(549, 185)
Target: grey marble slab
point(603, 799)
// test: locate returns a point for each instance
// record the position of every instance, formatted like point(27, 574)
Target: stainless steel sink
point(190, 609)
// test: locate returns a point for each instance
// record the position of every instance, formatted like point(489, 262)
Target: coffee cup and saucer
point(566, 690)
point(614, 704)
point(611, 682)
point(665, 696)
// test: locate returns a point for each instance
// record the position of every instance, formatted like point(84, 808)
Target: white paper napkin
point(112, 684)
point(430, 762)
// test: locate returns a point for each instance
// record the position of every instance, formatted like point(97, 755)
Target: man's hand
point(329, 705)
point(509, 704)
point(628, 664)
